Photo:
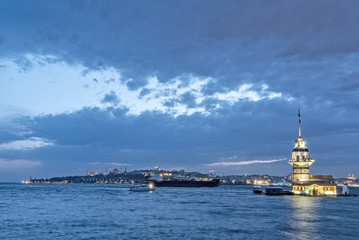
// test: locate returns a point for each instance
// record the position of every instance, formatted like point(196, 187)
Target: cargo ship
point(185, 183)
point(160, 181)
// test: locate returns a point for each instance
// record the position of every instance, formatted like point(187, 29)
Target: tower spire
point(300, 132)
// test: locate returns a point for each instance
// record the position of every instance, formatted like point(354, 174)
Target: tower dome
point(300, 146)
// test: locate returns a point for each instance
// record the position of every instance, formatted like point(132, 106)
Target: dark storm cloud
point(134, 84)
point(144, 92)
point(188, 99)
point(111, 98)
point(171, 38)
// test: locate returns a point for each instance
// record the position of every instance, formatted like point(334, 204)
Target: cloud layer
point(241, 163)
point(179, 84)
point(26, 144)
point(18, 164)
point(69, 88)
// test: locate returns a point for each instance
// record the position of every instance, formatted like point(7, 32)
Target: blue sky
point(194, 85)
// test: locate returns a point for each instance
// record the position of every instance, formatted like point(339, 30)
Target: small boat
point(257, 190)
point(142, 188)
point(277, 191)
point(345, 190)
point(26, 182)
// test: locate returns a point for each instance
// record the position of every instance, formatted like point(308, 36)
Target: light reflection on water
point(304, 220)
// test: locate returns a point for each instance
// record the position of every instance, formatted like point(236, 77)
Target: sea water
point(95, 211)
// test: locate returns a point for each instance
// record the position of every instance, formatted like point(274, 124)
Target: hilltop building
point(350, 177)
point(303, 183)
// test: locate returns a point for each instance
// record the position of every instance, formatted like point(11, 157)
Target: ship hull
point(180, 183)
point(276, 194)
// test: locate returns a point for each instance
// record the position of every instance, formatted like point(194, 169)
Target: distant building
point(303, 183)
point(351, 177)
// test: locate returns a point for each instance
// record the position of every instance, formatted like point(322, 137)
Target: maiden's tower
point(303, 183)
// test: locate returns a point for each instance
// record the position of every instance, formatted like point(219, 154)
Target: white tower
point(300, 159)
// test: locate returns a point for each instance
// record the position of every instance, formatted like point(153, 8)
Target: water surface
point(80, 211)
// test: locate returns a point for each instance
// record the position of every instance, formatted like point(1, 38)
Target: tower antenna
point(300, 132)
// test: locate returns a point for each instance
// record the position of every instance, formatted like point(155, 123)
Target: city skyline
point(185, 85)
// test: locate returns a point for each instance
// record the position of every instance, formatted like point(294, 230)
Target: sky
point(193, 85)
